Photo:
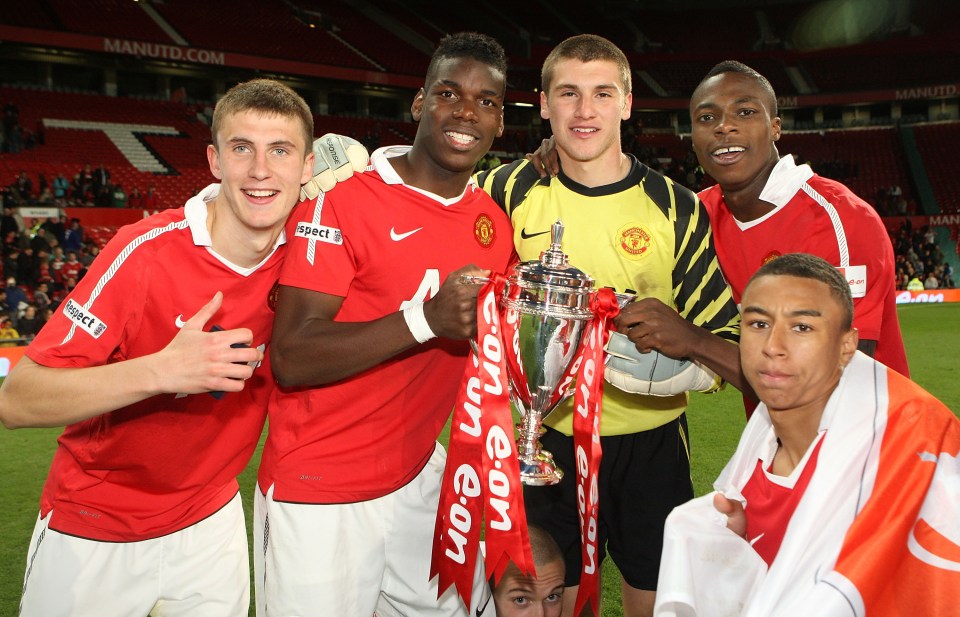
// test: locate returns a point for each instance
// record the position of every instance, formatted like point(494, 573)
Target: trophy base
point(539, 471)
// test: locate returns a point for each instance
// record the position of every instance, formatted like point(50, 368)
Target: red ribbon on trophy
point(482, 476)
point(586, 441)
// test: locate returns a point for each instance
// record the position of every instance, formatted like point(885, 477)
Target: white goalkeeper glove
point(335, 158)
point(653, 373)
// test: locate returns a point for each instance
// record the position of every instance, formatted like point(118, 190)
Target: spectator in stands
point(22, 189)
point(86, 180)
point(104, 196)
point(71, 267)
point(45, 196)
point(101, 178)
point(28, 267)
point(10, 223)
point(4, 305)
point(61, 190)
point(87, 257)
point(56, 266)
point(78, 192)
point(119, 197)
point(135, 199)
point(40, 296)
point(11, 260)
point(73, 236)
point(29, 322)
point(520, 595)
point(151, 201)
point(932, 282)
point(7, 331)
point(56, 228)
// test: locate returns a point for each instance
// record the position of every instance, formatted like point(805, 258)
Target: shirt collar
point(784, 181)
point(380, 160)
point(195, 211)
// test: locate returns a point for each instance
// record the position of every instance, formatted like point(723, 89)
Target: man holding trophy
point(637, 232)
point(370, 348)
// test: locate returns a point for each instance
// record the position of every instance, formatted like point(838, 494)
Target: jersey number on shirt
point(429, 287)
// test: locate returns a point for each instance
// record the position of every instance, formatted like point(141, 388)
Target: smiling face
point(585, 104)
point(261, 160)
point(734, 130)
point(460, 112)
point(794, 342)
point(517, 595)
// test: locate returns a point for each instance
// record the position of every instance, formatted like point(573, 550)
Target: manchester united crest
point(634, 241)
point(483, 230)
point(770, 257)
point(272, 296)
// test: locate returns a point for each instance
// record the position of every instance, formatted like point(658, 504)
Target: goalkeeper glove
point(653, 373)
point(336, 157)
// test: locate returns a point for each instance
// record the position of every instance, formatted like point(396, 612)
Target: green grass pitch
point(930, 331)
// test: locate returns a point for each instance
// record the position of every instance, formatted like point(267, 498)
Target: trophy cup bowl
point(545, 309)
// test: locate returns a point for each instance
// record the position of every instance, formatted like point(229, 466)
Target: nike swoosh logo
point(179, 322)
point(398, 237)
point(526, 236)
point(483, 608)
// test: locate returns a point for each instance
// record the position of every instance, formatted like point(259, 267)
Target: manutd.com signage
point(932, 295)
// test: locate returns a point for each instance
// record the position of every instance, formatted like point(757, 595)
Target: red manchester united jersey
point(824, 218)
point(169, 461)
point(381, 245)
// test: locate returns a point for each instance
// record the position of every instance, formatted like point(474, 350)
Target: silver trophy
point(545, 309)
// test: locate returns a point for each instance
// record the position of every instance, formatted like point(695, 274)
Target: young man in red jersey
point(370, 333)
point(841, 497)
point(764, 206)
point(155, 363)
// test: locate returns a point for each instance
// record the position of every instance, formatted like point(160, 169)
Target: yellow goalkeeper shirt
point(644, 234)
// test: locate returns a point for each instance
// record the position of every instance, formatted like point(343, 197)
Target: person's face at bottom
point(520, 595)
point(792, 343)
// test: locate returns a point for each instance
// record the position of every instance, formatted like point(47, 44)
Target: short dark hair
point(733, 66)
point(479, 47)
point(544, 548)
point(806, 266)
point(586, 48)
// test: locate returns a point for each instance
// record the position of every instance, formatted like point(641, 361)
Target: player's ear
point(849, 341)
point(416, 109)
point(213, 158)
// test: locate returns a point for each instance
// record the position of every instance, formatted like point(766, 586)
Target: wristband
point(417, 323)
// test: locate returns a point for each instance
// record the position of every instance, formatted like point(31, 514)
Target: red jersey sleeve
point(319, 257)
point(92, 324)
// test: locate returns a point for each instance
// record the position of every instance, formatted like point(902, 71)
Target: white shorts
point(356, 558)
point(200, 571)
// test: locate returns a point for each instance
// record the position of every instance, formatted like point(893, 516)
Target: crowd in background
point(920, 263)
point(89, 187)
point(41, 265)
